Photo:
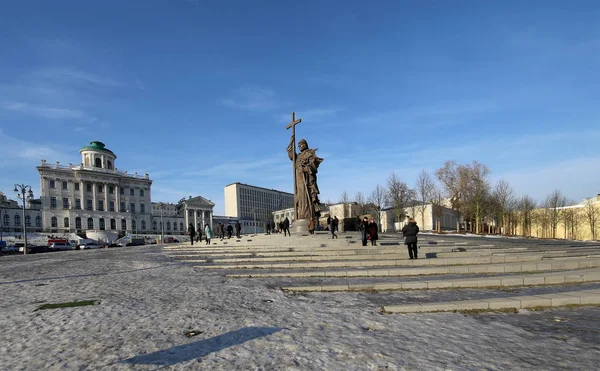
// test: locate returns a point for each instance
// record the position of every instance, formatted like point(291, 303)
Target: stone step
point(553, 278)
point(545, 265)
point(299, 262)
point(581, 297)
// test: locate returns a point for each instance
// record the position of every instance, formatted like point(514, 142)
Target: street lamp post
point(24, 191)
point(1, 224)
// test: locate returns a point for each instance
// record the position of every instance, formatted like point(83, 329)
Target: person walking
point(229, 231)
point(286, 227)
point(311, 227)
point(238, 229)
point(208, 233)
point(337, 223)
point(192, 233)
point(221, 231)
point(373, 232)
point(268, 227)
point(332, 228)
point(364, 230)
point(199, 233)
point(410, 231)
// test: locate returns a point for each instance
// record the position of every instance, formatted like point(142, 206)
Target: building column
point(185, 216)
point(117, 198)
point(82, 195)
point(210, 218)
point(195, 218)
point(94, 196)
point(203, 220)
point(106, 197)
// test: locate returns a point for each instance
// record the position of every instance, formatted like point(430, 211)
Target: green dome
point(97, 146)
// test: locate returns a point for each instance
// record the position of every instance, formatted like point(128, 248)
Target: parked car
point(58, 246)
point(90, 245)
point(35, 249)
point(11, 249)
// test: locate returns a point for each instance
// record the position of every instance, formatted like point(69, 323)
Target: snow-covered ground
point(147, 302)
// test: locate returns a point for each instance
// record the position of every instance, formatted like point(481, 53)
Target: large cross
point(293, 126)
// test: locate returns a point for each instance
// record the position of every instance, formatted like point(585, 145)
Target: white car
point(89, 245)
point(57, 246)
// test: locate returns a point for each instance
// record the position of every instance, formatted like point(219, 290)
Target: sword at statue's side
point(292, 125)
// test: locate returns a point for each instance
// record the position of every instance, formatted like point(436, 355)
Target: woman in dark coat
point(192, 233)
point(410, 232)
point(373, 233)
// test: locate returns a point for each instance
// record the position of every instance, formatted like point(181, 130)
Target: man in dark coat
point(364, 230)
point(221, 231)
point(268, 227)
point(286, 227)
point(410, 231)
point(229, 231)
point(192, 233)
point(238, 229)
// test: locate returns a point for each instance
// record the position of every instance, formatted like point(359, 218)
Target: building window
point(153, 225)
point(113, 224)
point(133, 224)
point(90, 223)
point(111, 206)
point(111, 189)
point(108, 165)
point(143, 225)
point(54, 222)
point(102, 226)
point(65, 203)
point(6, 220)
point(53, 202)
point(27, 221)
point(90, 204)
point(78, 223)
point(100, 188)
point(122, 190)
point(122, 207)
point(123, 224)
point(52, 184)
point(77, 186)
point(181, 226)
point(141, 193)
point(131, 192)
point(132, 207)
point(66, 222)
point(98, 162)
point(38, 221)
point(142, 209)
point(168, 226)
point(88, 187)
point(64, 185)
point(174, 226)
point(100, 205)
point(78, 204)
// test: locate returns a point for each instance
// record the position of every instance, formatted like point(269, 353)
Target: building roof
point(97, 146)
point(266, 189)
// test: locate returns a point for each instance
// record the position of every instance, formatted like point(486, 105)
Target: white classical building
point(95, 195)
point(253, 206)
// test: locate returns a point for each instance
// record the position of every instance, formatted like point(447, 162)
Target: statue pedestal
point(300, 227)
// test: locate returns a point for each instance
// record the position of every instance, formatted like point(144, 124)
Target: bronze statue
point(306, 164)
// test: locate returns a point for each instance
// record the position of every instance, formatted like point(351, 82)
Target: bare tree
point(360, 200)
point(592, 214)
point(424, 190)
point(452, 178)
point(437, 202)
point(477, 191)
point(344, 198)
point(504, 195)
point(399, 195)
point(376, 201)
point(525, 207)
point(553, 205)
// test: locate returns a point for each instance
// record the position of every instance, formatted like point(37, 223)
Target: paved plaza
point(274, 302)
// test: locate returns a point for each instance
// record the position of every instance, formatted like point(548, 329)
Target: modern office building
point(253, 206)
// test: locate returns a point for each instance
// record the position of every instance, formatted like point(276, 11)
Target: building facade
point(253, 206)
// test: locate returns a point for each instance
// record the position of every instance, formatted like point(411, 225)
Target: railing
point(93, 168)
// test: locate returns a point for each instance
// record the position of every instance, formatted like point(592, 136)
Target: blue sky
point(198, 93)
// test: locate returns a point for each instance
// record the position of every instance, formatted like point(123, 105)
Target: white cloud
point(251, 98)
point(54, 113)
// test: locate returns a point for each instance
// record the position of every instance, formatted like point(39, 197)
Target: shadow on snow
point(201, 348)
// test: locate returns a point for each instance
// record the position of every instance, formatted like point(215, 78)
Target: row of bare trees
point(479, 204)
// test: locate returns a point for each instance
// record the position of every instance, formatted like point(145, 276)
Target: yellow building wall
point(578, 229)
